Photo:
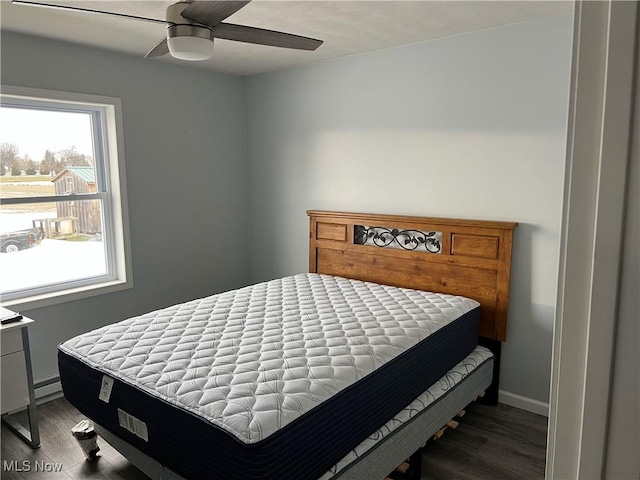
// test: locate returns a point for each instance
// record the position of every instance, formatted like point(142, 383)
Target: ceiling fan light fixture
point(191, 25)
point(190, 42)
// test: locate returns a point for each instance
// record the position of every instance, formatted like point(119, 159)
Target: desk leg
point(32, 434)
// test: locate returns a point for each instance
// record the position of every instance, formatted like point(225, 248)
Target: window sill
point(55, 298)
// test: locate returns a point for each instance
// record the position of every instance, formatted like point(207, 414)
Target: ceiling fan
point(192, 25)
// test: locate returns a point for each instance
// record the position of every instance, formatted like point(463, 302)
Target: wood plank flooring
point(491, 443)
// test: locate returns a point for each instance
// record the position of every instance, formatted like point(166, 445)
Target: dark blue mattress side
point(303, 450)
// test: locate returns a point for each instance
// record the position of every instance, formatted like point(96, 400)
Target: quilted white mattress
point(253, 360)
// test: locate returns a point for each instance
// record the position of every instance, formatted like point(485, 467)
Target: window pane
point(46, 152)
point(48, 243)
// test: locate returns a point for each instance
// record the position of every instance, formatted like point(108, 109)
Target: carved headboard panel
point(462, 257)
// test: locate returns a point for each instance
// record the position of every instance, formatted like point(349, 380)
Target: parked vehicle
point(19, 240)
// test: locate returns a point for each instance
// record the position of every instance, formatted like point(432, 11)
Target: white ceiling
point(347, 27)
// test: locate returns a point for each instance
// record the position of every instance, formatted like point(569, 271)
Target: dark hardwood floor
point(491, 443)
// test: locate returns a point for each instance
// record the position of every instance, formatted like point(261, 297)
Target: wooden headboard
point(471, 258)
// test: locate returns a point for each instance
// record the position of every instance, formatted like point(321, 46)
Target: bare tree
point(70, 157)
point(9, 157)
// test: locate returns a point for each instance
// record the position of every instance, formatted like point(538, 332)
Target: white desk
point(17, 379)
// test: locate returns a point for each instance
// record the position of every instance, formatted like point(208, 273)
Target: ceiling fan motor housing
point(192, 26)
point(186, 39)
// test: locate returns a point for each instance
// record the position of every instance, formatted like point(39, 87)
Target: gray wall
point(185, 151)
point(471, 126)
point(468, 126)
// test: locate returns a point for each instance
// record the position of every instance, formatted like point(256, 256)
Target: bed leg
point(416, 465)
point(491, 396)
point(409, 470)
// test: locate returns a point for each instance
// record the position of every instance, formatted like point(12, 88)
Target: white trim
point(57, 95)
point(523, 403)
point(107, 112)
point(48, 392)
point(54, 298)
point(597, 156)
point(615, 145)
point(40, 399)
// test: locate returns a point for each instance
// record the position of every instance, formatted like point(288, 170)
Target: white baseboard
point(49, 391)
point(524, 403)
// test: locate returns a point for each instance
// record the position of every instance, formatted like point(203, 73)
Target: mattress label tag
point(134, 425)
point(105, 388)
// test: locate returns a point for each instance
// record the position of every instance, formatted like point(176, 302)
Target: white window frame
point(110, 189)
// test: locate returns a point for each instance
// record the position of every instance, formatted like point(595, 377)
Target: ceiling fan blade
point(260, 36)
point(85, 10)
point(162, 48)
point(211, 13)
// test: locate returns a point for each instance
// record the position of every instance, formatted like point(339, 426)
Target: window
point(69, 179)
point(63, 222)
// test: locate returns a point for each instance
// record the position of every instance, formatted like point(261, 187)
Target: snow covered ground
point(39, 183)
point(52, 261)
point(10, 221)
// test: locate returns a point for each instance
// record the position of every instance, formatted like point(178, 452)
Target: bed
point(342, 372)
